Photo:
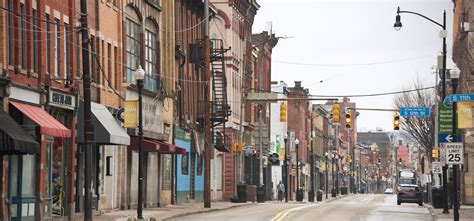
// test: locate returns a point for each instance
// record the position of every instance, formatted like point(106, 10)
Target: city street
point(355, 207)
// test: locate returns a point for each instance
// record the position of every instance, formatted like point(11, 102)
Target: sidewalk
point(466, 213)
point(173, 211)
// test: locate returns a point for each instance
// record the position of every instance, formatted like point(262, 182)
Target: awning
point(106, 129)
point(48, 124)
point(13, 139)
point(156, 146)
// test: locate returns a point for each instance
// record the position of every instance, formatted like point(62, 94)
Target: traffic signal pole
point(207, 110)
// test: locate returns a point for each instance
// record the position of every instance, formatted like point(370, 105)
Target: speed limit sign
point(436, 167)
point(454, 153)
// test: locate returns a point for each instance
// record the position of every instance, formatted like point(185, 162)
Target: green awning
point(13, 139)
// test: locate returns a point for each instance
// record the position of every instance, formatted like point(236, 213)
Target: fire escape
point(220, 109)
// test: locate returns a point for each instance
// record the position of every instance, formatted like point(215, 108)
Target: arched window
point(151, 56)
point(132, 30)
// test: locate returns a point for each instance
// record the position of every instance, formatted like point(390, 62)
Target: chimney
point(297, 84)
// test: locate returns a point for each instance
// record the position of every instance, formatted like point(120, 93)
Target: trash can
point(299, 194)
point(242, 193)
point(261, 194)
point(319, 196)
point(310, 196)
point(343, 190)
point(437, 197)
point(333, 192)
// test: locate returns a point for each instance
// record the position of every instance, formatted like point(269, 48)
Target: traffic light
point(348, 119)
point(335, 113)
point(396, 121)
point(366, 160)
point(435, 154)
point(283, 112)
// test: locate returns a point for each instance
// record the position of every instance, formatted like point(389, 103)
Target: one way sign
point(446, 138)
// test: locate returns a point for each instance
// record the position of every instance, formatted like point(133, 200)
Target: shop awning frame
point(156, 146)
point(15, 140)
point(48, 124)
point(107, 131)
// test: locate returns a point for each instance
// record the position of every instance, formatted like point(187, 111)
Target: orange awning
point(49, 125)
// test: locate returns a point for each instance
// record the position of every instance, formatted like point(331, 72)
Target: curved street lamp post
point(443, 34)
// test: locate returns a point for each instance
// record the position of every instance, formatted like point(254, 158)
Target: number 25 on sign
point(454, 153)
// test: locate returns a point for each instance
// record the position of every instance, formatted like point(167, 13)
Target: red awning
point(156, 146)
point(49, 125)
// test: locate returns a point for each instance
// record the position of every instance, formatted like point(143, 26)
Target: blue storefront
point(189, 167)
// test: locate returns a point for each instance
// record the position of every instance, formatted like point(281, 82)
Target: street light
point(443, 34)
point(454, 74)
point(298, 198)
point(139, 76)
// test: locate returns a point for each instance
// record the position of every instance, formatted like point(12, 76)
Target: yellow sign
point(465, 114)
point(282, 154)
point(130, 114)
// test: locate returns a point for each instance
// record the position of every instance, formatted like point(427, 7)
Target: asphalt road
point(351, 208)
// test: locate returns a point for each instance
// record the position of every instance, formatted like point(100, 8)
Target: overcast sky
point(333, 37)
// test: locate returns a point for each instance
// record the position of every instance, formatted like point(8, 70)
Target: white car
point(388, 191)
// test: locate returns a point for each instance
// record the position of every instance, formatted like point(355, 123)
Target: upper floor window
point(132, 55)
point(10, 33)
point(23, 36)
point(151, 57)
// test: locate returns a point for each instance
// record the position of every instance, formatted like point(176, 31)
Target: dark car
point(409, 193)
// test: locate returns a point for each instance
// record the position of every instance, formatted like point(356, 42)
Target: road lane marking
point(281, 215)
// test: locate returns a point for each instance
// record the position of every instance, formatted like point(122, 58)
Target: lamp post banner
point(465, 115)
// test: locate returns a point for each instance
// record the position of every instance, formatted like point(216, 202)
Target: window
point(150, 61)
point(184, 164)
point(57, 49)
point(109, 65)
point(118, 78)
point(78, 55)
point(166, 165)
point(199, 165)
point(10, 34)
point(48, 44)
point(66, 51)
point(23, 35)
point(108, 166)
point(133, 48)
point(93, 59)
point(35, 39)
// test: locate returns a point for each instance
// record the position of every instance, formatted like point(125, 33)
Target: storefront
point(60, 155)
point(189, 169)
point(109, 158)
point(24, 182)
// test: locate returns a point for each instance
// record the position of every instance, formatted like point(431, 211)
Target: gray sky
point(345, 32)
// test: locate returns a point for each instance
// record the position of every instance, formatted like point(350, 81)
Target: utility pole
point(260, 144)
point(311, 158)
point(88, 129)
point(207, 110)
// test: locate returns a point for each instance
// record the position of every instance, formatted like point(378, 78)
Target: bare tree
point(419, 129)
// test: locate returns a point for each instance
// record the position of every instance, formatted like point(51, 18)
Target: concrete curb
point(434, 216)
point(206, 211)
point(230, 207)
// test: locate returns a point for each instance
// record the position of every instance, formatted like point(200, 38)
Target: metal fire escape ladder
point(220, 109)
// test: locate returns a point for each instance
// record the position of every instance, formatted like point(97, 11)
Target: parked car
point(388, 191)
point(409, 193)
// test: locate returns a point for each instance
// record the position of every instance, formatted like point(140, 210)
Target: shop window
point(184, 164)
point(166, 165)
point(108, 166)
point(199, 165)
point(28, 176)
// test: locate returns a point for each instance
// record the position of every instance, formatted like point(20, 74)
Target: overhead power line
point(349, 65)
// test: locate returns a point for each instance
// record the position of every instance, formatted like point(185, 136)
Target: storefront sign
point(62, 100)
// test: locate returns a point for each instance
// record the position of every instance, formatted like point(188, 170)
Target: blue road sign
point(414, 111)
point(461, 97)
point(447, 138)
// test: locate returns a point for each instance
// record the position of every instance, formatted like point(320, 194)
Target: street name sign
point(436, 167)
point(461, 97)
point(414, 111)
point(454, 153)
point(446, 138)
